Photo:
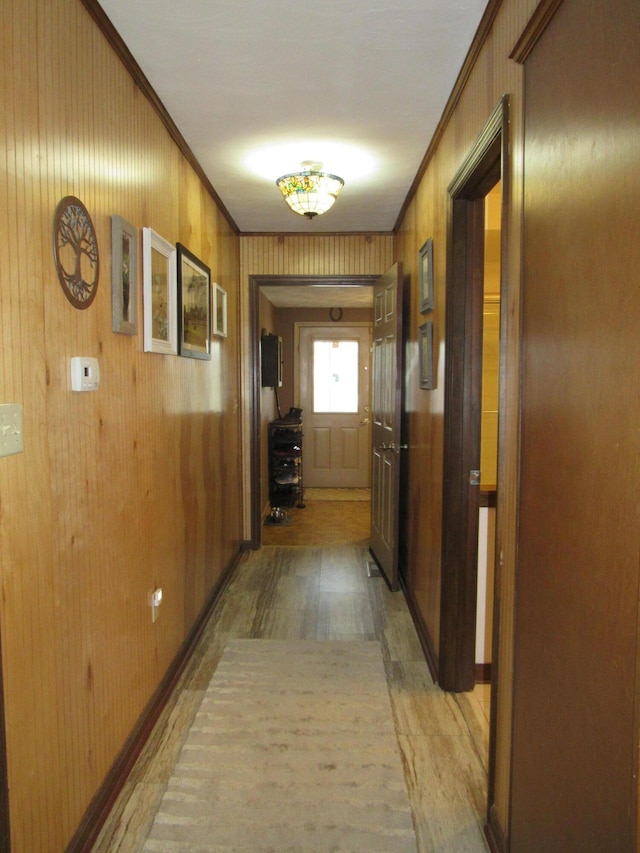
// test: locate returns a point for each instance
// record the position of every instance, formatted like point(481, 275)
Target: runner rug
point(293, 748)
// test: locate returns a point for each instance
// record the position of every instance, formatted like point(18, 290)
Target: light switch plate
point(11, 438)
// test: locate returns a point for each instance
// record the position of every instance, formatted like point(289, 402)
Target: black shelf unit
point(285, 464)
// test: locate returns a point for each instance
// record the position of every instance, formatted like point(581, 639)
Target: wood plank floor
point(321, 591)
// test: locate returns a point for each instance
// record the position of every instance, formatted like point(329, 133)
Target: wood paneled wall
point(120, 490)
point(492, 75)
point(296, 255)
point(322, 254)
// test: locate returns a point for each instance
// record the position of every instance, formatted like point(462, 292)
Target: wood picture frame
point(160, 302)
point(194, 305)
point(219, 311)
point(425, 355)
point(425, 268)
point(124, 276)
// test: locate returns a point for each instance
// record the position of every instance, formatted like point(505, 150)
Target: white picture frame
point(159, 294)
point(219, 313)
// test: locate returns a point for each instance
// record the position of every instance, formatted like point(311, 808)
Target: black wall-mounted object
point(271, 357)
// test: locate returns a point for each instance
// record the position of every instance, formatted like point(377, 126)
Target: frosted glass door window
point(335, 377)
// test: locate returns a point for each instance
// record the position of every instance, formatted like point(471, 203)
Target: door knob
point(364, 421)
point(397, 447)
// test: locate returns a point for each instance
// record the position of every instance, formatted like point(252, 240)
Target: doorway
point(326, 287)
point(484, 170)
point(479, 174)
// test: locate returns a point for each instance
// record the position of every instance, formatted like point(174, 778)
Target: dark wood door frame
point(5, 829)
point(481, 170)
point(255, 283)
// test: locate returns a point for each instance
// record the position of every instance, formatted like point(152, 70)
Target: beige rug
point(292, 749)
point(337, 494)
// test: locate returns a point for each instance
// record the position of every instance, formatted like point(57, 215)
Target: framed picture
point(426, 276)
point(124, 276)
point(219, 311)
point(425, 350)
point(194, 305)
point(160, 301)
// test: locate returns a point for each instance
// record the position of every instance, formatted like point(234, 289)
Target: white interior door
point(387, 407)
point(334, 367)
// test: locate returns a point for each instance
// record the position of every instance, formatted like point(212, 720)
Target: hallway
point(323, 592)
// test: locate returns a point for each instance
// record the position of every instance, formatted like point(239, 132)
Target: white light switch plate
point(11, 438)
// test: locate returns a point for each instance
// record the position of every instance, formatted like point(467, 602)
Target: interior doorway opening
point(474, 306)
point(354, 296)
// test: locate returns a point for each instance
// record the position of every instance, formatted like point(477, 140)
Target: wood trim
point(481, 169)
point(5, 825)
point(298, 234)
point(493, 832)
point(483, 673)
point(463, 383)
point(124, 54)
point(422, 631)
point(490, 13)
point(102, 803)
point(538, 23)
point(302, 280)
point(486, 148)
point(488, 498)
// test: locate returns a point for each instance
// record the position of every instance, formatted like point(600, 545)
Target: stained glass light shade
point(309, 192)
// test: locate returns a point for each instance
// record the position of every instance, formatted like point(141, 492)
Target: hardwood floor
point(321, 591)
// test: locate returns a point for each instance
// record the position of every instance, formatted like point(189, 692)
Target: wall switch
point(85, 374)
point(11, 438)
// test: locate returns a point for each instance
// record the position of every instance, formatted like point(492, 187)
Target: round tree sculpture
point(75, 251)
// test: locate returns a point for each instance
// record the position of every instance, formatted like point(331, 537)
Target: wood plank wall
point(492, 76)
point(120, 490)
point(300, 255)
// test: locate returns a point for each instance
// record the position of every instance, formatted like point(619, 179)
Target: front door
point(385, 429)
point(334, 396)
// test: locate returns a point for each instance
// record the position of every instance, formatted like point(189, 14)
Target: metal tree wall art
point(75, 252)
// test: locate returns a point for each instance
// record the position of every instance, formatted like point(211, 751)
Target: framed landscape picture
point(425, 256)
point(160, 303)
point(425, 350)
point(219, 311)
point(194, 305)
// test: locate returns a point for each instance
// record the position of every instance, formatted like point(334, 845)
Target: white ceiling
point(258, 86)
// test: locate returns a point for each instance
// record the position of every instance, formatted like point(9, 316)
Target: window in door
point(335, 376)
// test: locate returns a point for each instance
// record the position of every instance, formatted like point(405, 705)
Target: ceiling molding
point(538, 23)
point(493, 7)
point(302, 235)
point(124, 54)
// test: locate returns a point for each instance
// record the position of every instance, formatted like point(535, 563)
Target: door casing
point(480, 171)
point(486, 163)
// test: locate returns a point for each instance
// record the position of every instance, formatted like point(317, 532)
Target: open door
point(385, 431)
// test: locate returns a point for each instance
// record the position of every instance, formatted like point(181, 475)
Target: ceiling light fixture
point(310, 191)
